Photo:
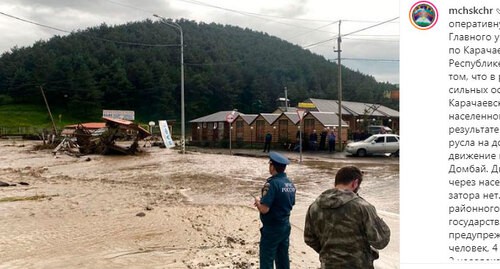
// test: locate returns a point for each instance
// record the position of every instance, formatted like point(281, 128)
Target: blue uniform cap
point(278, 158)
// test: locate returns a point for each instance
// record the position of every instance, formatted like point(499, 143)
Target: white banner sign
point(119, 114)
point(165, 134)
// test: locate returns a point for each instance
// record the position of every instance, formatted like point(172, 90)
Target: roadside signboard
point(119, 114)
point(306, 105)
point(230, 117)
point(300, 113)
point(165, 134)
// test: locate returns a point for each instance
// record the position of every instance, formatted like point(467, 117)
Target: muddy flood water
point(162, 209)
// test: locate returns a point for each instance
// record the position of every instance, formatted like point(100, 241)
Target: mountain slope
point(137, 67)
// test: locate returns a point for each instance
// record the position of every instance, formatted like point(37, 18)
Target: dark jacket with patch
point(279, 195)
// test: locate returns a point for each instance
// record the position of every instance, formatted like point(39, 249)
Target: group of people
point(343, 228)
point(326, 137)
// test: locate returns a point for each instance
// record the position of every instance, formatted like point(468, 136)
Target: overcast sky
point(374, 51)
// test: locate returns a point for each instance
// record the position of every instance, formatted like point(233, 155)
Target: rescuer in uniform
point(275, 204)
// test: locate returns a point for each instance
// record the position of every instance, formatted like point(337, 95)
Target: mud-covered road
point(196, 208)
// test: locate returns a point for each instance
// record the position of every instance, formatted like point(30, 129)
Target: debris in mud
point(243, 265)
point(82, 140)
point(5, 184)
point(27, 198)
point(140, 214)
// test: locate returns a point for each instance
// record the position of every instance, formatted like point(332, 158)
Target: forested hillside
point(137, 67)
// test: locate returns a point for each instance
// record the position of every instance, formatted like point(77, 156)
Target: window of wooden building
point(259, 131)
point(308, 126)
point(283, 130)
point(239, 131)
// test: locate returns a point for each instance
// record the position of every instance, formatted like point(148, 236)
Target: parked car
point(378, 129)
point(375, 144)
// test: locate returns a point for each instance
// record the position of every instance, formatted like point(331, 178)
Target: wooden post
point(50, 113)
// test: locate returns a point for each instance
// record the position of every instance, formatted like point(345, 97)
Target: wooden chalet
point(243, 130)
point(263, 124)
point(319, 121)
point(288, 125)
point(211, 129)
point(251, 129)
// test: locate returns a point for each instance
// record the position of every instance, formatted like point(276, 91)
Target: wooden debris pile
point(108, 140)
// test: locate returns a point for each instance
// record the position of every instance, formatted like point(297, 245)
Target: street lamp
point(183, 127)
point(274, 133)
point(300, 140)
point(199, 134)
point(251, 136)
point(151, 125)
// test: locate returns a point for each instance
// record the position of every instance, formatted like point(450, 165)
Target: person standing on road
point(313, 140)
point(344, 228)
point(267, 142)
point(322, 139)
point(331, 141)
point(275, 204)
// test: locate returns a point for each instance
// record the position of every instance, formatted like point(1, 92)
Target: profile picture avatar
point(423, 15)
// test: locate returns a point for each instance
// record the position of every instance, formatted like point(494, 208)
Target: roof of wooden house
point(328, 119)
point(270, 117)
point(354, 108)
point(248, 118)
point(216, 117)
point(292, 116)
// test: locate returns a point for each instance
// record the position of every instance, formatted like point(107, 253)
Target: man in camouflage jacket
point(344, 228)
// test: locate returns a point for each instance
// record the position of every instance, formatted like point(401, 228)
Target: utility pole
point(339, 79)
point(50, 113)
point(286, 100)
point(183, 126)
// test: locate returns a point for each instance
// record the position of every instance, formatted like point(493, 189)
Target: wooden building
point(359, 115)
point(211, 129)
point(320, 121)
point(263, 124)
point(243, 130)
point(251, 129)
point(287, 125)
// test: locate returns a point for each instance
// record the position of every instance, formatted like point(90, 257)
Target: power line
point(372, 39)
point(245, 13)
point(90, 36)
point(264, 16)
point(361, 21)
point(369, 27)
point(257, 15)
point(130, 6)
point(313, 30)
point(357, 31)
point(250, 13)
point(35, 23)
point(368, 59)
